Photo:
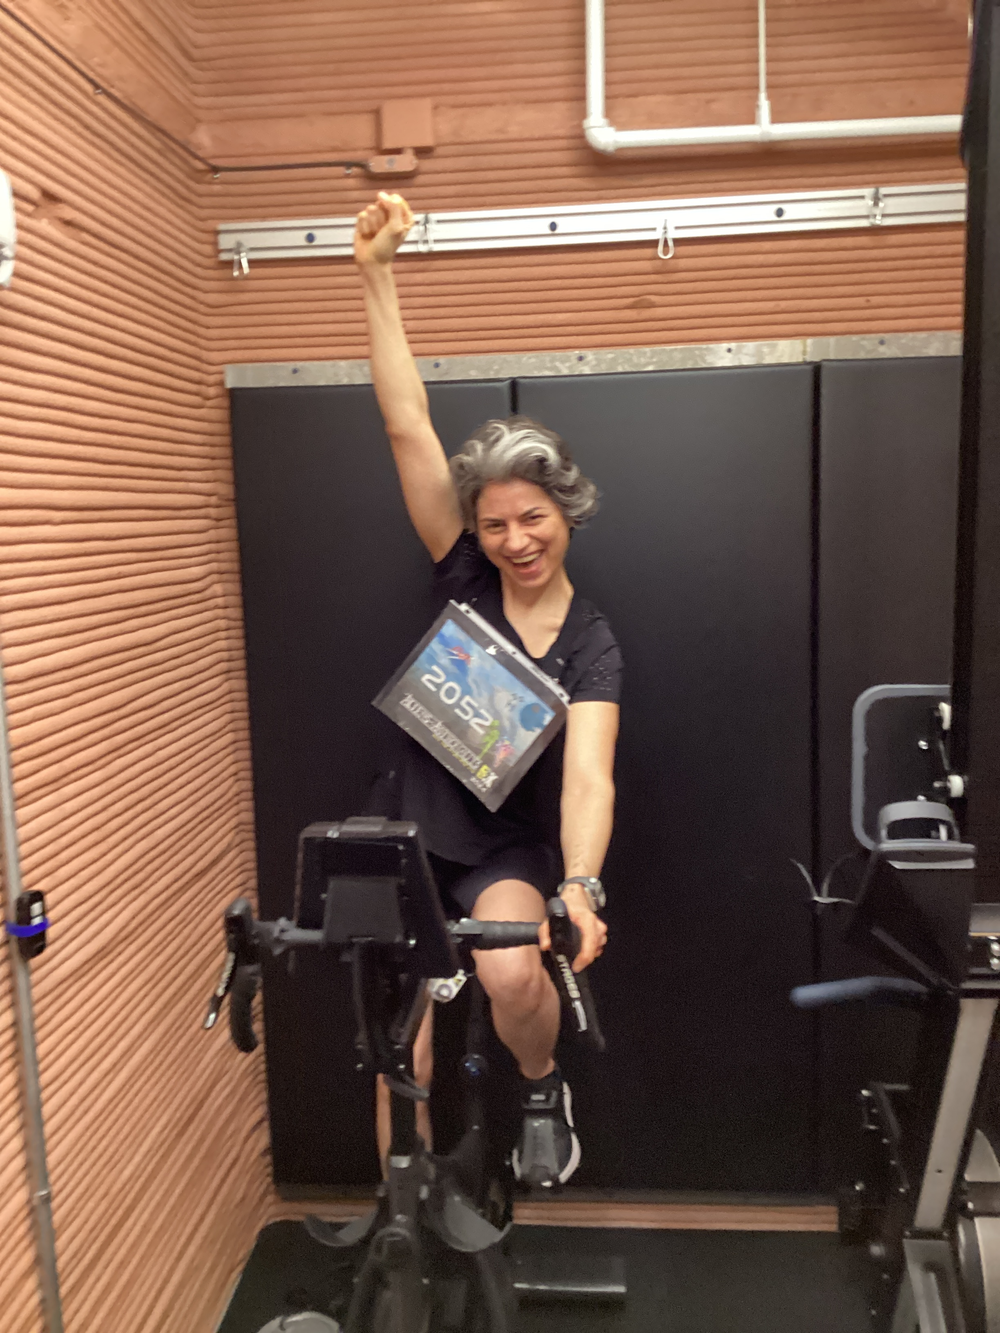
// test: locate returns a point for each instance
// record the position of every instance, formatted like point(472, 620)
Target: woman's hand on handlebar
point(593, 931)
point(381, 229)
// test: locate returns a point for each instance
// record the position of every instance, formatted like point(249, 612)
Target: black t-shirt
point(586, 661)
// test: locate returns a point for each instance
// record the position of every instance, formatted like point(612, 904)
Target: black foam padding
point(888, 467)
point(336, 590)
point(701, 559)
point(888, 497)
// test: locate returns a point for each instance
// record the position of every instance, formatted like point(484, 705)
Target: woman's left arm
point(587, 811)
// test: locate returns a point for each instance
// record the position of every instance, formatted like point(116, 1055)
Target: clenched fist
point(381, 229)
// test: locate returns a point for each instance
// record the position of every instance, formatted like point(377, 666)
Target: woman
point(497, 523)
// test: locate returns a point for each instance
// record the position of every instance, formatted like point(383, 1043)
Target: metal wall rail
point(661, 222)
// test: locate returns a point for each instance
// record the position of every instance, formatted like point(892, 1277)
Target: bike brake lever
point(221, 991)
point(240, 976)
point(573, 987)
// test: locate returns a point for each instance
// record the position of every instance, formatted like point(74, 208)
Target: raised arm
point(420, 459)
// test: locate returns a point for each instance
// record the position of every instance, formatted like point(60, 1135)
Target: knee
point(514, 979)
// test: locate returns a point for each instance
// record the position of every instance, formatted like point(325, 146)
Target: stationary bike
point(430, 1254)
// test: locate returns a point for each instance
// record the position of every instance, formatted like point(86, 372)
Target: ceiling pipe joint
point(605, 138)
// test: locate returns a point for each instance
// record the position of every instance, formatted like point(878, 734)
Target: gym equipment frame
point(929, 902)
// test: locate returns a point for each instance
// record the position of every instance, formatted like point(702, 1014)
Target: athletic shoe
point(549, 1151)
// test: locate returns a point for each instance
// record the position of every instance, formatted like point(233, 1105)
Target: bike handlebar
point(245, 937)
point(872, 990)
point(493, 934)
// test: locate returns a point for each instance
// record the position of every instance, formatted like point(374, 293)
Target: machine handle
point(873, 990)
point(573, 987)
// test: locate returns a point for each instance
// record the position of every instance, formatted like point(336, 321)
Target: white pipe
point(763, 104)
point(610, 140)
point(603, 136)
point(595, 62)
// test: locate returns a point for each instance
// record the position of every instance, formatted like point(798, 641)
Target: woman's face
point(522, 531)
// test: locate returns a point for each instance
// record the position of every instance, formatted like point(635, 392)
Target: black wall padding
point(701, 559)
point(335, 592)
point(888, 504)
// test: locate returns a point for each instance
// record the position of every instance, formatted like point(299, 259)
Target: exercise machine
point(927, 1203)
point(431, 1253)
point(926, 807)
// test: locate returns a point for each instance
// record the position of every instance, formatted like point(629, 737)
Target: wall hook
point(241, 264)
point(425, 241)
point(666, 234)
point(876, 207)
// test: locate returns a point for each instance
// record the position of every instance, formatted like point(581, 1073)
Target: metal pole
point(32, 1122)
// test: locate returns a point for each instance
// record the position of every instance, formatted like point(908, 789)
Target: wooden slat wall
point(139, 49)
point(291, 79)
point(120, 629)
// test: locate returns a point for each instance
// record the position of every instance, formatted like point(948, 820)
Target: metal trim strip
point(614, 361)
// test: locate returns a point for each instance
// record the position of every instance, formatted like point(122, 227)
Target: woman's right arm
point(420, 460)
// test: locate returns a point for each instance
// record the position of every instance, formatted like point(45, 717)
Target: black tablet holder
point(368, 880)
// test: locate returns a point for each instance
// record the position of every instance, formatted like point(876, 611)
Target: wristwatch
point(592, 887)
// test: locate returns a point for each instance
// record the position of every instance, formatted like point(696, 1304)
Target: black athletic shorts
point(460, 885)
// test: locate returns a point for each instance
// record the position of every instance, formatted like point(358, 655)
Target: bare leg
point(423, 1069)
point(524, 1000)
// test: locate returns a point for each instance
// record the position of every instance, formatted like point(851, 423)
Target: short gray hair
point(519, 449)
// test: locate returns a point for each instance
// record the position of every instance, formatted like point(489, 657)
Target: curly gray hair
point(520, 449)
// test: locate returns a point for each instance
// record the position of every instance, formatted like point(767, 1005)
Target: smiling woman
point(497, 524)
point(520, 491)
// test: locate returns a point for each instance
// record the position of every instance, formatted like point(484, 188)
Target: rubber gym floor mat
point(678, 1281)
point(711, 1282)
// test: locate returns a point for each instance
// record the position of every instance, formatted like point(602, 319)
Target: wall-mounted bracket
point(605, 224)
point(8, 231)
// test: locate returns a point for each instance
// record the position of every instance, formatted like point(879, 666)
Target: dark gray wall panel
point(701, 558)
point(888, 504)
point(336, 589)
